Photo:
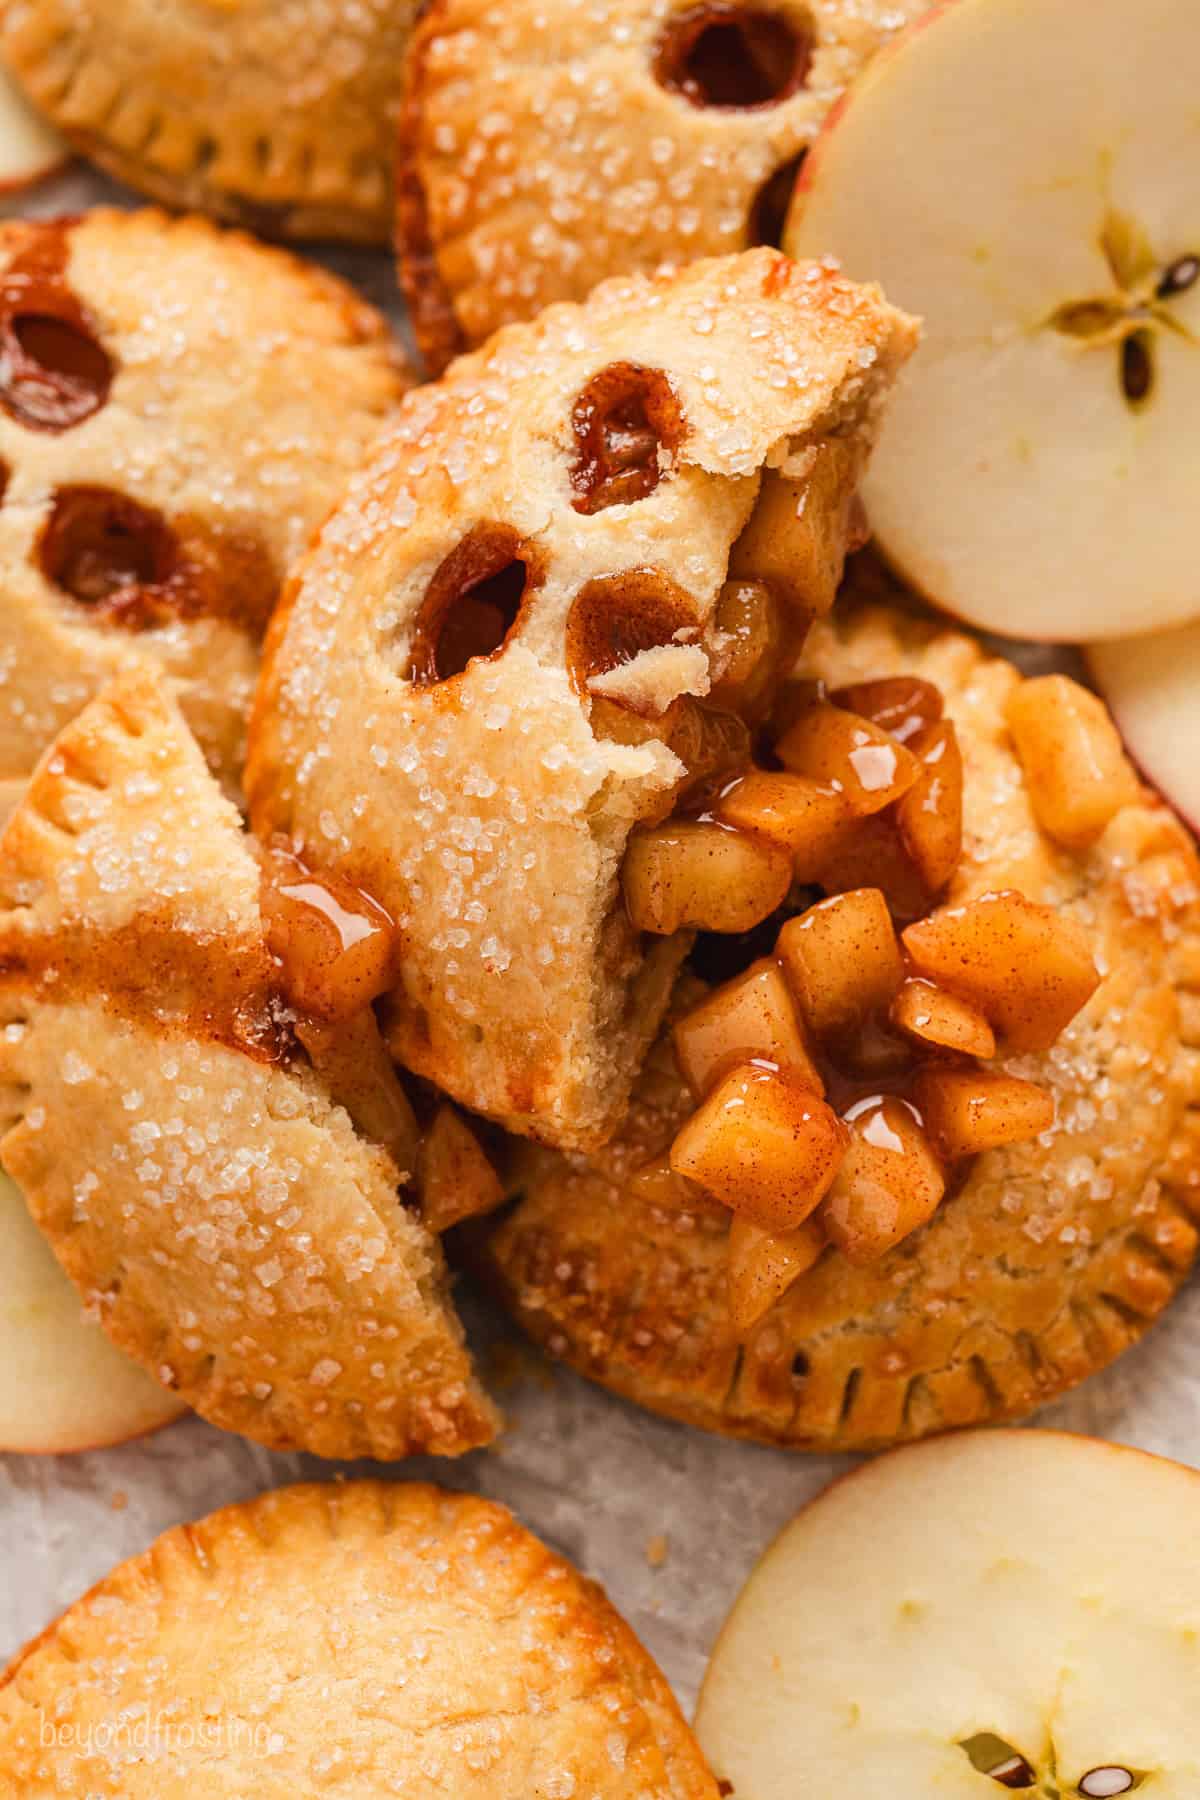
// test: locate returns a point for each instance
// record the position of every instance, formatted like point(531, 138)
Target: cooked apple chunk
point(930, 1015)
point(799, 530)
point(764, 1264)
point(1079, 775)
point(699, 874)
point(764, 1145)
point(802, 817)
point(901, 704)
point(747, 637)
point(889, 1183)
point(970, 1110)
point(842, 960)
point(930, 815)
point(752, 1018)
point(867, 766)
point(1027, 968)
point(457, 1181)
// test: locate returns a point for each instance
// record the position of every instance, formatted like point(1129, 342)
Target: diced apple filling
point(889, 1183)
point(842, 960)
point(456, 1179)
point(697, 873)
point(967, 1111)
point(930, 814)
point(764, 1145)
point(802, 817)
point(1024, 966)
point(1079, 775)
point(752, 1018)
point(764, 1264)
point(864, 764)
point(929, 1015)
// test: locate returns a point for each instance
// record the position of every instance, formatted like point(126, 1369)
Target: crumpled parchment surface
point(669, 1519)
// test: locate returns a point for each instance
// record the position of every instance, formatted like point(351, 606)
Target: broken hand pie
point(490, 668)
point(189, 1163)
point(363, 1639)
point(875, 1188)
point(178, 410)
point(546, 147)
point(274, 114)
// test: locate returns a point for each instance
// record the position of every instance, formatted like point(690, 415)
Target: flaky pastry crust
point(221, 1215)
point(241, 387)
point(1052, 1258)
point(360, 1639)
point(544, 148)
point(484, 810)
point(274, 114)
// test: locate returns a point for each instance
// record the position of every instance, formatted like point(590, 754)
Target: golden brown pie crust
point(1053, 1258)
point(367, 1638)
point(232, 1231)
point(222, 395)
point(545, 147)
point(278, 115)
point(483, 810)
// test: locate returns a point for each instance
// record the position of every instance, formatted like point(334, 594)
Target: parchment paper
point(669, 1519)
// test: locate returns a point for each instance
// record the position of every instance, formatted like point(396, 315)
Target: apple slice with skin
point(62, 1384)
point(30, 148)
point(1019, 1606)
point(1022, 175)
point(1152, 685)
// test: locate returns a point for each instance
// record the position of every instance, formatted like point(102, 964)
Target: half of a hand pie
point(367, 1638)
point(1039, 1259)
point(178, 409)
point(274, 114)
point(547, 146)
point(235, 1232)
point(508, 646)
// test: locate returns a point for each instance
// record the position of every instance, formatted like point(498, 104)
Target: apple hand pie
point(929, 1151)
point(547, 613)
point(198, 1171)
point(179, 408)
point(359, 1638)
point(279, 115)
point(544, 147)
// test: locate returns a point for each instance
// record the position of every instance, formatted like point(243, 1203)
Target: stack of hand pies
point(521, 806)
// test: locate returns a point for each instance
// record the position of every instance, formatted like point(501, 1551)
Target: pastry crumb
point(657, 1550)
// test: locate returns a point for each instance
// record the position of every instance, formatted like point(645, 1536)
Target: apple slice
point(62, 1384)
point(1013, 1605)
point(30, 149)
point(1023, 177)
point(1152, 685)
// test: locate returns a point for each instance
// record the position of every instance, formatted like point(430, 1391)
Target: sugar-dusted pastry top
point(547, 146)
point(363, 1639)
point(279, 115)
point(1040, 1259)
point(472, 686)
point(179, 407)
point(201, 1179)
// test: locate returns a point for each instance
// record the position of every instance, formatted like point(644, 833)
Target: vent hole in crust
point(736, 57)
point(768, 214)
point(109, 552)
point(627, 424)
point(472, 605)
point(617, 618)
point(53, 372)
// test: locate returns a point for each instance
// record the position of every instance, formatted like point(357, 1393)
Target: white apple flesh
point(1152, 685)
point(30, 149)
point(1022, 1606)
point(62, 1384)
point(1022, 174)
